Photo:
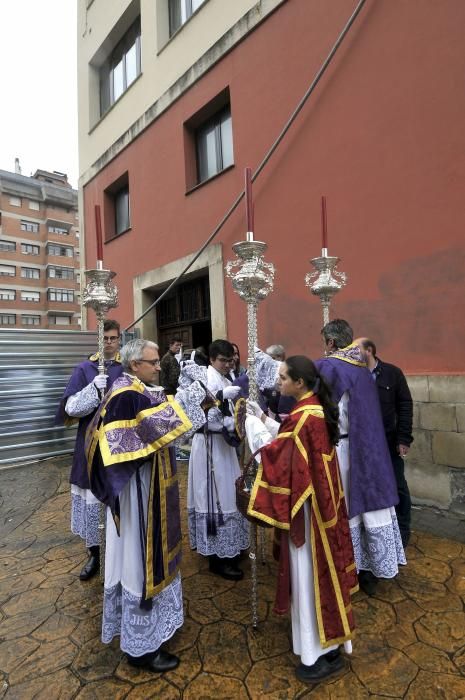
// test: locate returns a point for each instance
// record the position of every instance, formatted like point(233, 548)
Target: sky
point(38, 86)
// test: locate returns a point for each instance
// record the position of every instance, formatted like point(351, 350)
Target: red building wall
point(382, 137)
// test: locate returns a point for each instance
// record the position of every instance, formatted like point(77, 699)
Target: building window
point(28, 249)
point(214, 145)
point(59, 250)
point(60, 320)
point(7, 319)
point(15, 201)
point(58, 229)
point(31, 273)
point(60, 295)
point(121, 200)
point(7, 294)
point(121, 68)
point(60, 273)
point(34, 205)
point(26, 295)
point(30, 320)
point(180, 11)
point(8, 270)
point(30, 226)
point(7, 246)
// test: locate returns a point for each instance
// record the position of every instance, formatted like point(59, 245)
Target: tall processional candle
point(249, 203)
point(324, 228)
point(98, 232)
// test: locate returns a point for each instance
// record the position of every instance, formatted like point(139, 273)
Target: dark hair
point(237, 364)
point(301, 367)
point(110, 325)
point(339, 331)
point(175, 339)
point(367, 343)
point(220, 347)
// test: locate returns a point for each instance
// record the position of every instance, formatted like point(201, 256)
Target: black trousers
point(404, 507)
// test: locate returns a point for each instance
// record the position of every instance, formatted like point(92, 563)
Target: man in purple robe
point(80, 401)
point(364, 460)
point(132, 469)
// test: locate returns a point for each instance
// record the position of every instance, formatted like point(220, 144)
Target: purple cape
point(116, 450)
point(372, 480)
point(82, 375)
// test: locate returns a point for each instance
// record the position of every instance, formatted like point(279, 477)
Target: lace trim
point(85, 520)
point(266, 370)
point(190, 399)
point(378, 549)
point(231, 538)
point(83, 402)
point(141, 631)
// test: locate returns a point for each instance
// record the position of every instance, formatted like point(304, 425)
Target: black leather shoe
point(158, 662)
point(225, 568)
point(367, 582)
point(92, 565)
point(321, 669)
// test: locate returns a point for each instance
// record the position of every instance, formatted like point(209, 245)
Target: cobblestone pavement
point(410, 639)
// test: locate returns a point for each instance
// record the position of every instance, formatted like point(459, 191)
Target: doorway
point(185, 313)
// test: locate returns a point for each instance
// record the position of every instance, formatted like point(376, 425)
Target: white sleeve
point(83, 402)
point(190, 400)
point(257, 434)
point(272, 426)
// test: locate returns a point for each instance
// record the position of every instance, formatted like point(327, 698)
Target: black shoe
point(321, 669)
point(225, 568)
point(333, 656)
point(367, 582)
point(92, 565)
point(158, 662)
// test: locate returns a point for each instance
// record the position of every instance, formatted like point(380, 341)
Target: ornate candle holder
point(100, 294)
point(252, 278)
point(326, 281)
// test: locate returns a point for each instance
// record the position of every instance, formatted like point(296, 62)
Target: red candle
point(248, 199)
point(324, 230)
point(98, 231)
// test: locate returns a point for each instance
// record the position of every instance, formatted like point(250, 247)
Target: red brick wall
point(382, 137)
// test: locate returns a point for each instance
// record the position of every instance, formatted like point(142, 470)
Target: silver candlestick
point(252, 278)
point(100, 294)
point(326, 281)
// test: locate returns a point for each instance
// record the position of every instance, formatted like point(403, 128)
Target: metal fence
point(35, 366)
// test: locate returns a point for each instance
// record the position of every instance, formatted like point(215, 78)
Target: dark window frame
point(132, 37)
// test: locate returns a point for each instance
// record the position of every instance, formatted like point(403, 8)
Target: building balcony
point(62, 307)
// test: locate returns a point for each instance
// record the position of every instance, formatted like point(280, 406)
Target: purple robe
point(134, 426)
point(83, 375)
point(372, 481)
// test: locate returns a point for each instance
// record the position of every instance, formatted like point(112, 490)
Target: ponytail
point(301, 367)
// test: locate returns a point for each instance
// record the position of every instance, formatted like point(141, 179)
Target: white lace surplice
point(85, 508)
point(141, 631)
point(233, 536)
point(375, 535)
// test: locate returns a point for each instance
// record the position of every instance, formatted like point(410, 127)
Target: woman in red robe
point(298, 489)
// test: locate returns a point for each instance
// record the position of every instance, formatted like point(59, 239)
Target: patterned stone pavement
point(410, 639)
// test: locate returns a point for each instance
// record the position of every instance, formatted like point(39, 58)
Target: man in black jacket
point(397, 410)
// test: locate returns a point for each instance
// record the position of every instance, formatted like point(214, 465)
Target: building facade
point(177, 97)
point(39, 251)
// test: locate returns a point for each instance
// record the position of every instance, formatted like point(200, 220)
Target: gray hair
point(134, 350)
point(339, 331)
point(274, 350)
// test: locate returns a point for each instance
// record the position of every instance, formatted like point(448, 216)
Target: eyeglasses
point(110, 338)
point(154, 363)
